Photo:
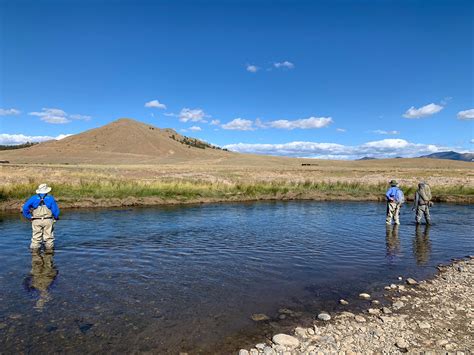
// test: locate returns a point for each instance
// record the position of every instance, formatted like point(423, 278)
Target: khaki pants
point(423, 210)
point(43, 231)
point(393, 212)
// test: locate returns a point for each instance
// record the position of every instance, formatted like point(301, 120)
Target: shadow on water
point(189, 278)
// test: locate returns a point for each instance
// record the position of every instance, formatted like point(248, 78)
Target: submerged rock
point(259, 317)
point(324, 316)
point(343, 302)
point(411, 281)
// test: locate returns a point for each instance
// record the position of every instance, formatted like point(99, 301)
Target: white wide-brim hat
point(43, 189)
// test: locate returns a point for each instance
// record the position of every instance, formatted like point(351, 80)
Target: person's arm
point(54, 208)
point(387, 194)
point(27, 207)
point(415, 202)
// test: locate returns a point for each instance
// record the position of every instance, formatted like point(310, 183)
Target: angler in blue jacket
point(395, 199)
point(42, 210)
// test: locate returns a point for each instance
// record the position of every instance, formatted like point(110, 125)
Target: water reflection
point(392, 240)
point(43, 273)
point(422, 244)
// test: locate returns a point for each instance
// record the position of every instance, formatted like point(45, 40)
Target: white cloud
point(192, 115)
point(466, 115)
point(11, 139)
point(58, 116)
point(195, 128)
point(386, 148)
point(155, 104)
point(9, 112)
point(380, 131)
point(239, 124)
point(341, 130)
point(304, 123)
point(215, 122)
point(252, 68)
point(284, 65)
point(424, 111)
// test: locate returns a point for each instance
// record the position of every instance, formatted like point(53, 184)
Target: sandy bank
point(435, 315)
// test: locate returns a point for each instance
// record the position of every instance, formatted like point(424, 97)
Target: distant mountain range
point(451, 156)
point(441, 155)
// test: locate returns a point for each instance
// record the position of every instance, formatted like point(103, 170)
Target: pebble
point(243, 352)
point(393, 286)
point(375, 302)
point(301, 332)
point(401, 343)
point(259, 317)
point(386, 310)
point(442, 342)
point(400, 278)
point(374, 311)
point(324, 316)
point(424, 325)
point(398, 305)
point(282, 316)
point(343, 302)
point(286, 340)
point(310, 331)
point(253, 351)
point(360, 319)
point(411, 281)
point(260, 346)
point(269, 351)
point(364, 296)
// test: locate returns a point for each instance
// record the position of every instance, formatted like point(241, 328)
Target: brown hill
point(124, 141)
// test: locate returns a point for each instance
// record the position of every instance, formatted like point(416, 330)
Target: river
point(171, 279)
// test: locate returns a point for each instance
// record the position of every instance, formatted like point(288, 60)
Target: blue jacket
point(395, 193)
point(34, 201)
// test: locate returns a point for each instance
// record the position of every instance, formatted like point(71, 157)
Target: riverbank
point(122, 193)
point(434, 315)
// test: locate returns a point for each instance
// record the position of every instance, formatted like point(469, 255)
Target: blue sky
point(333, 79)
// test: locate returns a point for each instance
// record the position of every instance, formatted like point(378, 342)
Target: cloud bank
point(155, 104)
point(12, 139)
point(9, 112)
point(423, 111)
point(466, 115)
point(58, 116)
point(386, 148)
point(252, 68)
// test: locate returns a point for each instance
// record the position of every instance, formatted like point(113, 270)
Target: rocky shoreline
point(435, 315)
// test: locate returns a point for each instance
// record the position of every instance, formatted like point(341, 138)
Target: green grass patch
point(188, 190)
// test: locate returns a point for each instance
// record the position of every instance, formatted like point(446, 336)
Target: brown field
point(131, 163)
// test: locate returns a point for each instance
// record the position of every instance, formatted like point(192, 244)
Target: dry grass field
point(236, 177)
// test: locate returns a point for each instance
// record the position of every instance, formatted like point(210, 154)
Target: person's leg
point(427, 215)
point(419, 214)
point(48, 235)
point(37, 234)
point(388, 220)
point(396, 214)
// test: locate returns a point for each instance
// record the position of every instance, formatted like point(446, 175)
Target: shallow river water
point(171, 279)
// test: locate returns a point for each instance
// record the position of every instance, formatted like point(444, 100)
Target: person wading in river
point(41, 209)
point(395, 199)
point(422, 203)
